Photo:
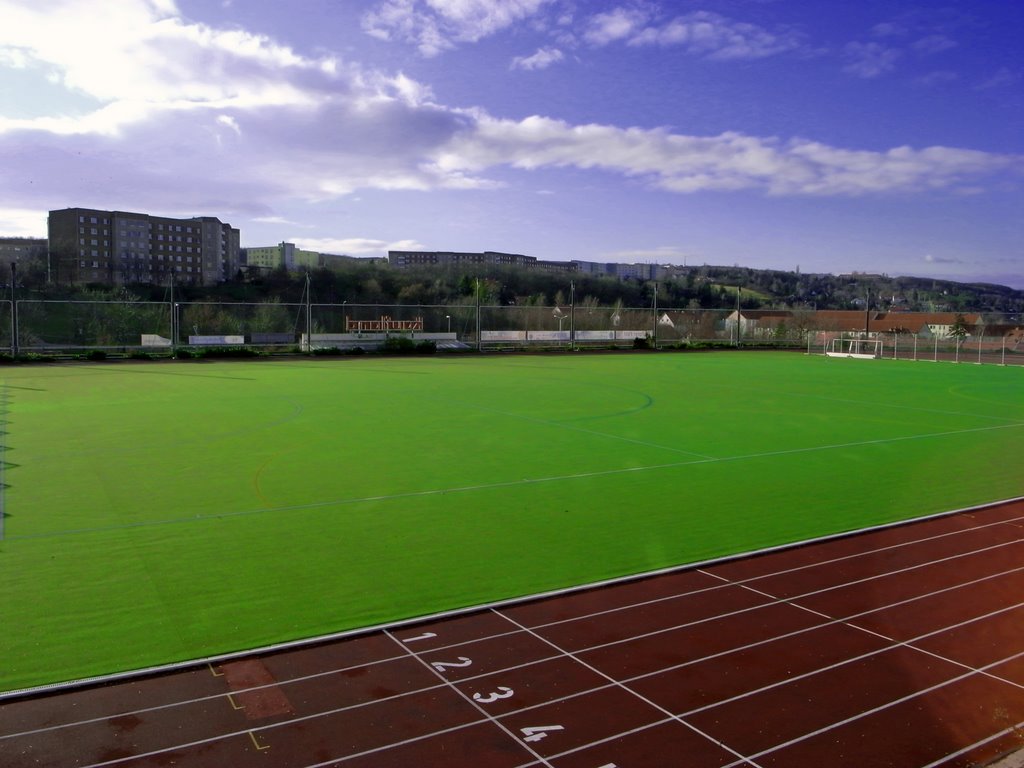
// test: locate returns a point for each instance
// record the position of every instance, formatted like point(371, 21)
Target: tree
point(958, 330)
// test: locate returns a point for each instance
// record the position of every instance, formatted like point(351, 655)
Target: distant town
point(97, 249)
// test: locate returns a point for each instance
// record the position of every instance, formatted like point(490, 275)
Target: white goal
point(865, 349)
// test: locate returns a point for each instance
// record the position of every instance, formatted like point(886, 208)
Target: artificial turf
point(158, 512)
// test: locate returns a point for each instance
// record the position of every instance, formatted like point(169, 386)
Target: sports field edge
point(70, 685)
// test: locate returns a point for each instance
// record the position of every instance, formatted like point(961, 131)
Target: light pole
point(449, 319)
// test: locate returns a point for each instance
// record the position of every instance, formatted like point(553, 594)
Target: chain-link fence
point(128, 326)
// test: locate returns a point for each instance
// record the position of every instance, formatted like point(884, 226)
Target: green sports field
point(157, 512)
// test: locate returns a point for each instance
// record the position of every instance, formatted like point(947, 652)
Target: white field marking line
point(1005, 732)
point(782, 601)
point(514, 483)
point(749, 579)
point(469, 700)
point(880, 708)
point(443, 615)
point(873, 404)
point(450, 646)
point(339, 710)
point(571, 656)
point(564, 425)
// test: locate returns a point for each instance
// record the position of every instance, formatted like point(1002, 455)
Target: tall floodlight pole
point(739, 292)
point(309, 317)
point(479, 340)
point(572, 315)
point(654, 324)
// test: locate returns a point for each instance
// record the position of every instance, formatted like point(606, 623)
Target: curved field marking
point(457, 612)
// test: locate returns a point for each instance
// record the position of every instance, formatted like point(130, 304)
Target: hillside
point(705, 287)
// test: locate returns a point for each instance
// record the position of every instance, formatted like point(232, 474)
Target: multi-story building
point(406, 259)
point(281, 255)
point(118, 247)
point(20, 251)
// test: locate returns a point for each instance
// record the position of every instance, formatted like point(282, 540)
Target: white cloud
point(930, 259)
point(704, 33)
point(1004, 77)
point(664, 254)
point(20, 222)
point(438, 25)
point(617, 24)
point(730, 161)
point(356, 246)
point(542, 59)
point(869, 60)
point(931, 44)
point(274, 126)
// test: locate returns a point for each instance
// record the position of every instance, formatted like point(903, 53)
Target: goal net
point(866, 349)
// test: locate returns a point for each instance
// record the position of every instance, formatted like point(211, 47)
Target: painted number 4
point(538, 732)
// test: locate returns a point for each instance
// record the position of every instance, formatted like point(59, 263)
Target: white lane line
point(339, 710)
point(486, 637)
point(782, 601)
point(880, 708)
point(469, 700)
point(1013, 729)
point(568, 654)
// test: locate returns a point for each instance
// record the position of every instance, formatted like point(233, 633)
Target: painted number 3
point(503, 692)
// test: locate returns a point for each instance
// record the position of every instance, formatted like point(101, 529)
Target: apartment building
point(407, 259)
point(120, 247)
point(21, 250)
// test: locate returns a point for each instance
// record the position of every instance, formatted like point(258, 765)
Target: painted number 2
point(503, 692)
point(441, 666)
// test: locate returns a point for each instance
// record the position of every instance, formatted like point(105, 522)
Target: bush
point(222, 352)
point(398, 345)
point(140, 355)
point(355, 351)
point(642, 343)
point(326, 352)
point(95, 354)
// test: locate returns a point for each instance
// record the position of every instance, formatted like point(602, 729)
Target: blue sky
point(825, 136)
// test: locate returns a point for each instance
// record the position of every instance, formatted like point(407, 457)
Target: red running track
point(901, 647)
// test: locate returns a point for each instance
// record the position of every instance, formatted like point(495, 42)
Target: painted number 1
point(424, 636)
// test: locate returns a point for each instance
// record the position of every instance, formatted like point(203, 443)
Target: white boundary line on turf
point(513, 483)
point(764, 641)
point(330, 637)
point(315, 715)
